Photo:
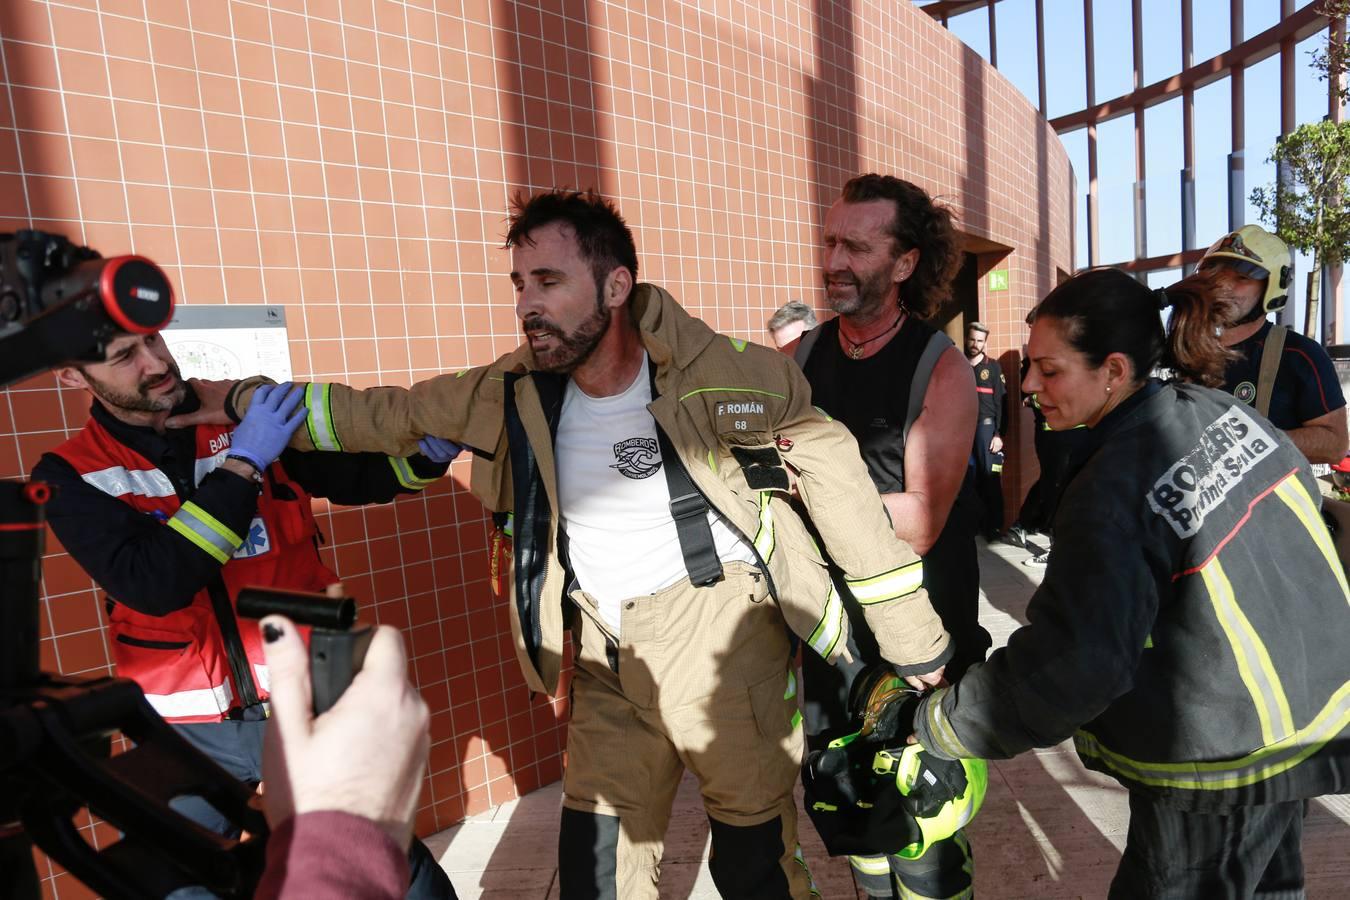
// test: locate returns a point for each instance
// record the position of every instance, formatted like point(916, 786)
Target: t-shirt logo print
point(637, 457)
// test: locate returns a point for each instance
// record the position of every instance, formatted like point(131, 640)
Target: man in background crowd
point(789, 322)
point(990, 429)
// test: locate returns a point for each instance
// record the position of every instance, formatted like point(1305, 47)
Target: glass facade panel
point(1163, 160)
point(1162, 39)
point(1115, 188)
point(1065, 86)
point(1113, 48)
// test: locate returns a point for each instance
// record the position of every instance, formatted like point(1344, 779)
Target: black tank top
point(870, 396)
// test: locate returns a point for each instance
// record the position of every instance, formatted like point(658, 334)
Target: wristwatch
point(257, 476)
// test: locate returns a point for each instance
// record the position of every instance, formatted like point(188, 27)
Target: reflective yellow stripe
point(792, 685)
point(870, 865)
point(320, 418)
point(1292, 492)
point(1249, 651)
point(732, 390)
point(830, 627)
point(801, 861)
point(204, 530)
point(940, 729)
point(403, 471)
point(895, 583)
point(764, 542)
point(1250, 769)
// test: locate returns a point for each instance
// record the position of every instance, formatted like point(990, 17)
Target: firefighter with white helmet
point(1297, 388)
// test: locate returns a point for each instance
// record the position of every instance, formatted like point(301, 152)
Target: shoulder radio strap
point(688, 509)
point(1270, 366)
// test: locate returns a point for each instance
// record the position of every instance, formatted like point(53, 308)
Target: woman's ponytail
point(1195, 351)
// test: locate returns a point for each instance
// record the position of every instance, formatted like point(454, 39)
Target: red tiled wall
point(352, 160)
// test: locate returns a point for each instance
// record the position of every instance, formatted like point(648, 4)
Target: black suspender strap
point(688, 509)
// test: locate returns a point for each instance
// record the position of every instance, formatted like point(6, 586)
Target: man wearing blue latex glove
point(263, 433)
point(438, 450)
point(172, 522)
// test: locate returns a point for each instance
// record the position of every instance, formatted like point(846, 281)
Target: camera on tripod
point(62, 303)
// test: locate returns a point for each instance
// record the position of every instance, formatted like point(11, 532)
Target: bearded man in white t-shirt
point(644, 468)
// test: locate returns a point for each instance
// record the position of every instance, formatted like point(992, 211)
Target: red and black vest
point(202, 663)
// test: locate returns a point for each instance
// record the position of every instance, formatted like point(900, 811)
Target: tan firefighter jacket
point(740, 417)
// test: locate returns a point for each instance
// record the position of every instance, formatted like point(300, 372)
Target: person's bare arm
point(1324, 439)
point(936, 454)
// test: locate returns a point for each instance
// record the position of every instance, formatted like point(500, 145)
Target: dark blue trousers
point(1247, 852)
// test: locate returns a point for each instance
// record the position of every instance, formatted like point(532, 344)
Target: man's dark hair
point(919, 223)
point(602, 235)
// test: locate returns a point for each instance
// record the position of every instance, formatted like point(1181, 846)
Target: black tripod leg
point(20, 881)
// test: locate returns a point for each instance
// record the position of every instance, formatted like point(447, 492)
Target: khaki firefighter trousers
point(699, 678)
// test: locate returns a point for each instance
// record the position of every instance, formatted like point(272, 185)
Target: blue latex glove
point(274, 413)
point(439, 450)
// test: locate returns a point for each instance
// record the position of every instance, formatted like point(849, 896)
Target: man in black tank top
point(889, 256)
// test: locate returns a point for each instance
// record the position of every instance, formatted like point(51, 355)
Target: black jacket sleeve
point(1087, 627)
point(133, 556)
point(355, 479)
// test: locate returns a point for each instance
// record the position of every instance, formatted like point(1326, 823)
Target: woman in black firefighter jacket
point(1192, 629)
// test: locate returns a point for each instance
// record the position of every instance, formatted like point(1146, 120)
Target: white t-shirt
point(615, 502)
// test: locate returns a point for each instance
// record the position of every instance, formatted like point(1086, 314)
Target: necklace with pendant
point(855, 351)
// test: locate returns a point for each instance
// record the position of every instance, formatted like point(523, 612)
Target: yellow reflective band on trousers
point(320, 418)
point(403, 471)
point(893, 584)
point(830, 627)
point(1292, 492)
point(801, 861)
point(870, 865)
point(1250, 769)
point(204, 530)
point(764, 542)
point(1249, 651)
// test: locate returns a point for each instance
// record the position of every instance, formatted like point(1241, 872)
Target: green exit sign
point(998, 280)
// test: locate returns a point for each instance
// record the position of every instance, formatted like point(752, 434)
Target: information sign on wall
point(230, 342)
